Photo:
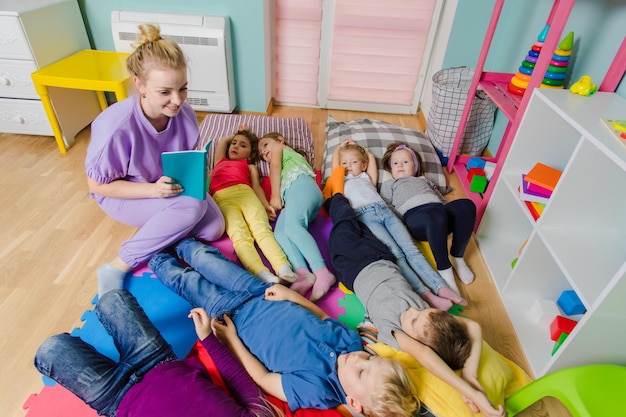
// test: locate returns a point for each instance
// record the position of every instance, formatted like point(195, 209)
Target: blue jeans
point(213, 282)
point(390, 230)
point(96, 379)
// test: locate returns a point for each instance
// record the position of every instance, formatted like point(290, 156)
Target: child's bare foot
point(436, 302)
point(448, 294)
point(304, 282)
point(324, 279)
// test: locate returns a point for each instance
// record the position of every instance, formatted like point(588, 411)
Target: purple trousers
point(162, 222)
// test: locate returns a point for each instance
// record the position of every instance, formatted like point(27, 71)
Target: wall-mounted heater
point(205, 40)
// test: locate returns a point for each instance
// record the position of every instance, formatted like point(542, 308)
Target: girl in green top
point(297, 195)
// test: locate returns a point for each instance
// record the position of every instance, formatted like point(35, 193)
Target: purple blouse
point(125, 145)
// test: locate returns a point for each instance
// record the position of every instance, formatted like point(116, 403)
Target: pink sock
point(448, 294)
point(436, 302)
point(324, 279)
point(305, 281)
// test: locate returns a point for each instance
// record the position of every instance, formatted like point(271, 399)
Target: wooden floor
point(53, 237)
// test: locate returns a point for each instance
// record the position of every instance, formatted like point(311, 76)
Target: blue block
point(570, 303)
point(475, 163)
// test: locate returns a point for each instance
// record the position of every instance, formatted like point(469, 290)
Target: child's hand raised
point(278, 292)
point(201, 321)
point(243, 126)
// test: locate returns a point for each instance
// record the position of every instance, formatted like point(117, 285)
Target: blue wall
point(247, 35)
point(598, 25)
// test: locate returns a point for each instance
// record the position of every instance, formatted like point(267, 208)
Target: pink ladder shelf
point(511, 105)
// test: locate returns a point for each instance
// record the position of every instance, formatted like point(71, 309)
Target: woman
point(123, 163)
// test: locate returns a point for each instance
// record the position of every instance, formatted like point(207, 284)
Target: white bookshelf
point(578, 243)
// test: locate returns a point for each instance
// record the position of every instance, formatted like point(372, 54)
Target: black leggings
point(433, 222)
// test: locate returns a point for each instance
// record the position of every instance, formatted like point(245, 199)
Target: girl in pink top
point(236, 187)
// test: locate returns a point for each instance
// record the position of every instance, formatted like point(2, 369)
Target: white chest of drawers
point(33, 34)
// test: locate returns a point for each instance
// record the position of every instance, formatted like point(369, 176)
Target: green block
point(559, 342)
point(478, 184)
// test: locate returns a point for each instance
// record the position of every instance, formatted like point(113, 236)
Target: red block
point(560, 325)
point(475, 171)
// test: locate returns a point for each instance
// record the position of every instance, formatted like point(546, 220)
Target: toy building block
point(478, 183)
point(475, 171)
point(560, 325)
point(570, 303)
point(543, 310)
point(559, 342)
point(489, 169)
point(476, 162)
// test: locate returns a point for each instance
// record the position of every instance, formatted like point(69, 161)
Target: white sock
point(285, 272)
point(462, 270)
point(448, 277)
point(267, 276)
point(109, 278)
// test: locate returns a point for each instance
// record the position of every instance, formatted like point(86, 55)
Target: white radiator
point(205, 40)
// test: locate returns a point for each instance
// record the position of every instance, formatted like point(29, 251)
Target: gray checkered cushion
point(376, 135)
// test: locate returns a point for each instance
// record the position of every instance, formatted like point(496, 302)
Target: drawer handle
point(19, 119)
point(5, 81)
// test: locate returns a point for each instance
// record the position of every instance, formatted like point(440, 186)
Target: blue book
point(189, 169)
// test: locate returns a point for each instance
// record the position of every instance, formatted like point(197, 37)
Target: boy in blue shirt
point(298, 355)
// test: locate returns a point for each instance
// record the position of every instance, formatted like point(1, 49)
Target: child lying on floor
point(236, 188)
point(289, 346)
point(297, 196)
point(359, 187)
point(148, 380)
point(440, 341)
point(426, 212)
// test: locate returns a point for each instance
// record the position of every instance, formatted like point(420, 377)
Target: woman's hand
point(224, 329)
point(201, 321)
point(166, 187)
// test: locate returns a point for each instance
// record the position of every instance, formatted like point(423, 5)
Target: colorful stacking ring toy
point(558, 63)
point(555, 75)
point(525, 70)
point(557, 70)
point(548, 81)
point(560, 58)
point(531, 59)
point(516, 90)
point(519, 83)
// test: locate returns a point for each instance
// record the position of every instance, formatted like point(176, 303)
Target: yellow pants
point(247, 222)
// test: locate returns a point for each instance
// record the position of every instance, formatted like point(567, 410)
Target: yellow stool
point(85, 70)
